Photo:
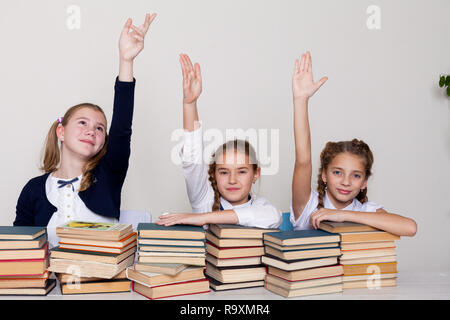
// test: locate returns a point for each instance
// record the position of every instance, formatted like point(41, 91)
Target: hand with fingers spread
point(192, 80)
point(131, 43)
point(303, 85)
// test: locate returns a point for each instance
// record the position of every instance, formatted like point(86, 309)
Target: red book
point(233, 252)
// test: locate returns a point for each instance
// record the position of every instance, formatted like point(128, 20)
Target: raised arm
point(303, 87)
point(192, 88)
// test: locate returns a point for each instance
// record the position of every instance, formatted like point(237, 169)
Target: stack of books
point(91, 257)
point(368, 255)
point(234, 257)
point(171, 261)
point(24, 261)
point(302, 263)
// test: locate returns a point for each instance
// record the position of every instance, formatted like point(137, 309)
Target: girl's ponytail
point(51, 156)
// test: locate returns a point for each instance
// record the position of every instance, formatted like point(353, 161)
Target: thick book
point(298, 264)
point(246, 261)
point(21, 233)
point(307, 274)
point(154, 279)
point(219, 286)
point(303, 254)
point(367, 236)
point(237, 231)
point(24, 253)
point(367, 253)
point(195, 261)
point(165, 268)
point(236, 274)
point(94, 230)
point(369, 260)
point(347, 226)
point(102, 257)
point(234, 252)
point(23, 244)
point(153, 230)
point(120, 244)
point(326, 289)
point(89, 268)
point(23, 267)
point(370, 268)
point(304, 284)
point(102, 286)
point(221, 242)
point(173, 289)
point(301, 237)
point(30, 291)
point(35, 281)
point(370, 284)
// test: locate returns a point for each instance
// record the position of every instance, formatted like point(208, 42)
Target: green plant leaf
point(447, 80)
point(448, 91)
point(441, 81)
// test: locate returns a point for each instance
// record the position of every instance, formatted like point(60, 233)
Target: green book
point(188, 232)
point(299, 237)
point(21, 233)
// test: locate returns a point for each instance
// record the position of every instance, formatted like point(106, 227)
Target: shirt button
point(68, 186)
point(68, 206)
point(68, 195)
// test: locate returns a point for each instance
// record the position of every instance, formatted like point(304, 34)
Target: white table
point(410, 286)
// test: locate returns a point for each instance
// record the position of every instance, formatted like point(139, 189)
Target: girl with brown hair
point(84, 167)
point(220, 192)
point(345, 168)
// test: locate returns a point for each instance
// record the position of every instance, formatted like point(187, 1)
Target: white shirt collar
point(228, 206)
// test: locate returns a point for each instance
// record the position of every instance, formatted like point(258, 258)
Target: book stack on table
point(368, 255)
point(302, 263)
point(171, 261)
point(234, 257)
point(24, 261)
point(91, 257)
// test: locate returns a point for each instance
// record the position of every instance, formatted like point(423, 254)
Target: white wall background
point(382, 88)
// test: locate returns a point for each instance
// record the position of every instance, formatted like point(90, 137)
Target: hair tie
point(60, 119)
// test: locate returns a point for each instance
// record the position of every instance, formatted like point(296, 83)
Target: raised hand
point(192, 80)
point(303, 85)
point(131, 43)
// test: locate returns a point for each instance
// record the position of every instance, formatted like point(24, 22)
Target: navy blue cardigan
point(103, 196)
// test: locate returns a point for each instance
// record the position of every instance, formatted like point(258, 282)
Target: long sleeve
point(119, 140)
point(260, 214)
point(24, 208)
point(195, 171)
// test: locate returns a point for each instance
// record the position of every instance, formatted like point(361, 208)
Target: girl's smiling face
point(84, 134)
point(345, 177)
point(234, 176)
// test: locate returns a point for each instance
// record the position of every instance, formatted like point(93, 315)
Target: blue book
point(21, 233)
point(153, 230)
point(301, 237)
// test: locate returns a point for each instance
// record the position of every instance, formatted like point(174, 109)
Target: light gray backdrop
point(382, 88)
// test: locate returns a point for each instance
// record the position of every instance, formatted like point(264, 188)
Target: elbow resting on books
point(381, 219)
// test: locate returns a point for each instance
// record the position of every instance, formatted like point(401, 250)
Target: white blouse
point(302, 223)
point(257, 212)
point(70, 207)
